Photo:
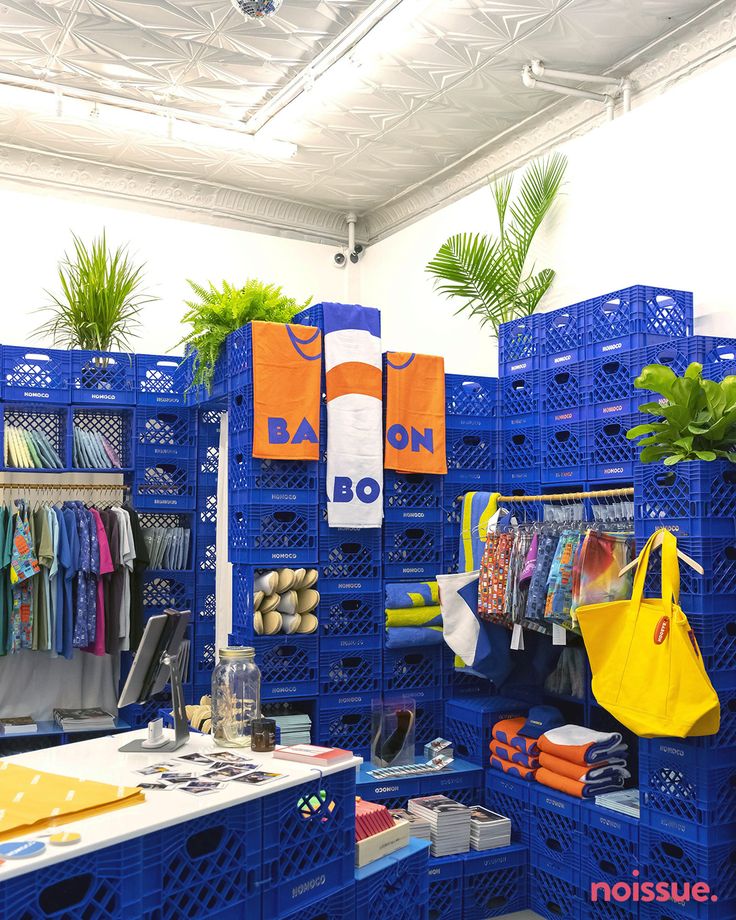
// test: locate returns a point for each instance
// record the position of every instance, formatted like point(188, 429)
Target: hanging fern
point(217, 313)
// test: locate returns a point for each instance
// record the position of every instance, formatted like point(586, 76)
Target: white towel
point(353, 375)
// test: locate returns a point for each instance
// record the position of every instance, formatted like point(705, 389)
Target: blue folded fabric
point(412, 594)
point(412, 636)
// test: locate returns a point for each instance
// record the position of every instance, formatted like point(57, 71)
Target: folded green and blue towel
point(412, 594)
point(413, 636)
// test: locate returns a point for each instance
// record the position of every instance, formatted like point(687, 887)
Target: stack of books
point(418, 827)
point(78, 720)
point(488, 830)
point(17, 725)
point(625, 802)
point(449, 823)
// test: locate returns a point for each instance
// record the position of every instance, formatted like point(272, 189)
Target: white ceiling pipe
point(531, 82)
point(539, 69)
point(352, 220)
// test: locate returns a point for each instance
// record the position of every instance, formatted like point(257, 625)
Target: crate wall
point(395, 887)
point(495, 883)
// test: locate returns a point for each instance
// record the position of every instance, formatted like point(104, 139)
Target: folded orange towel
point(287, 388)
point(513, 769)
point(512, 754)
point(578, 744)
point(415, 413)
point(507, 732)
point(560, 783)
point(582, 772)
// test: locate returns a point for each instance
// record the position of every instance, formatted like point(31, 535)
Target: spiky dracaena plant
point(217, 313)
point(100, 301)
point(488, 273)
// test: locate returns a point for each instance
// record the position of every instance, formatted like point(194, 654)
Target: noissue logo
point(651, 892)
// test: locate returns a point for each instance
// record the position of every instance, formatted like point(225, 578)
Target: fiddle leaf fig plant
point(696, 419)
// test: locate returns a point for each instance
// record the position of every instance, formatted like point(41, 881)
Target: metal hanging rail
point(79, 486)
point(568, 496)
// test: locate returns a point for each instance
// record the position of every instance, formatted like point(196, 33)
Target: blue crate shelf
point(138, 715)
point(408, 670)
point(524, 511)
point(719, 360)
point(687, 784)
point(716, 636)
point(518, 340)
point(471, 397)
point(470, 450)
point(289, 666)
point(611, 455)
point(160, 484)
point(350, 555)
point(344, 721)
point(550, 894)
point(470, 723)
point(712, 592)
point(352, 612)
point(36, 374)
point(556, 826)
point(100, 378)
point(348, 671)
point(495, 882)
point(638, 311)
point(163, 588)
point(240, 356)
point(281, 482)
point(161, 380)
point(563, 453)
point(308, 843)
point(610, 844)
point(165, 432)
point(520, 451)
point(50, 422)
point(412, 496)
point(445, 876)
point(692, 499)
point(395, 887)
point(602, 909)
point(266, 535)
point(212, 860)
point(412, 550)
point(115, 425)
point(519, 394)
point(340, 905)
point(562, 387)
point(510, 797)
point(611, 377)
point(562, 335)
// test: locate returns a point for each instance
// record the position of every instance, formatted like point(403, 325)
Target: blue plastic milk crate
point(510, 796)
point(720, 360)
point(697, 499)
point(470, 397)
point(344, 721)
point(712, 592)
point(264, 534)
point(445, 875)
point(165, 432)
point(205, 557)
point(36, 375)
point(162, 589)
point(219, 385)
point(520, 451)
point(289, 666)
point(346, 671)
point(550, 894)
point(105, 884)
point(339, 905)
point(518, 340)
point(308, 842)
point(519, 394)
point(212, 861)
point(716, 354)
point(51, 423)
point(495, 882)
point(716, 637)
point(395, 887)
point(202, 661)
point(470, 723)
point(349, 555)
point(470, 449)
point(162, 484)
point(686, 788)
point(609, 378)
point(115, 425)
point(556, 827)
point(562, 335)
point(410, 669)
point(635, 316)
point(602, 909)
point(563, 453)
point(101, 378)
point(563, 387)
point(350, 609)
point(412, 550)
point(281, 482)
point(161, 380)
point(610, 844)
point(611, 455)
point(205, 607)
point(240, 357)
point(412, 496)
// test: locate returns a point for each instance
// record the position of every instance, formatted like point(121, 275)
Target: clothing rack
point(77, 486)
point(568, 496)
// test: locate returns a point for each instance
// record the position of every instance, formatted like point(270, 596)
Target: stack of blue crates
point(519, 396)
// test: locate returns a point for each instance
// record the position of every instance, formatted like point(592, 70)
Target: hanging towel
point(478, 511)
point(415, 413)
point(512, 754)
point(581, 745)
point(484, 647)
point(413, 636)
point(507, 732)
point(584, 773)
point(412, 594)
point(354, 416)
point(513, 769)
point(421, 616)
point(579, 790)
point(287, 389)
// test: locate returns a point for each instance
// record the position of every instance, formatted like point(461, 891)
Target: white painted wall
point(649, 199)
point(36, 228)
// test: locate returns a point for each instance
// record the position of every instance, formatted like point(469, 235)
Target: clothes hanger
point(688, 560)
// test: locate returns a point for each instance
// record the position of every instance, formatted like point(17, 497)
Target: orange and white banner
point(415, 413)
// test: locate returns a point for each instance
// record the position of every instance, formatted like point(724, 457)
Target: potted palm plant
point(218, 312)
point(99, 306)
point(489, 274)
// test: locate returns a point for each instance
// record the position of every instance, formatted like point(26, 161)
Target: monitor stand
point(181, 724)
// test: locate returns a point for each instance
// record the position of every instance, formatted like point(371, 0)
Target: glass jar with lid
point(236, 696)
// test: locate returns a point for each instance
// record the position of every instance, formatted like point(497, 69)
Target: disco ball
point(258, 9)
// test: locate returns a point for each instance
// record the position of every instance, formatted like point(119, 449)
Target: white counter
point(100, 760)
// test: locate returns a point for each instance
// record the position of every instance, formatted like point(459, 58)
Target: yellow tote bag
point(647, 668)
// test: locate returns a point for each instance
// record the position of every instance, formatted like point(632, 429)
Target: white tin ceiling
point(451, 89)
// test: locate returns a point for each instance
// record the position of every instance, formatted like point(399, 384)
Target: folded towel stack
point(413, 616)
point(582, 762)
point(30, 449)
point(511, 752)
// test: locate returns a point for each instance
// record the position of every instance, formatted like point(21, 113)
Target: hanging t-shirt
point(45, 558)
point(63, 561)
point(4, 609)
point(81, 613)
point(23, 571)
point(104, 567)
point(113, 582)
point(127, 556)
point(53, 574)
point(70, 577)
point(139, 568)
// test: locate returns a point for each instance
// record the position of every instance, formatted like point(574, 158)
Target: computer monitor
point(154, 665)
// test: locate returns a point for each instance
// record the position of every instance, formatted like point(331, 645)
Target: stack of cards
point(488, 830)
point(439, 746)
point(214, 770)
point(449, 823)
point(371, 818)
point(418, 827)
point(295, 729)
